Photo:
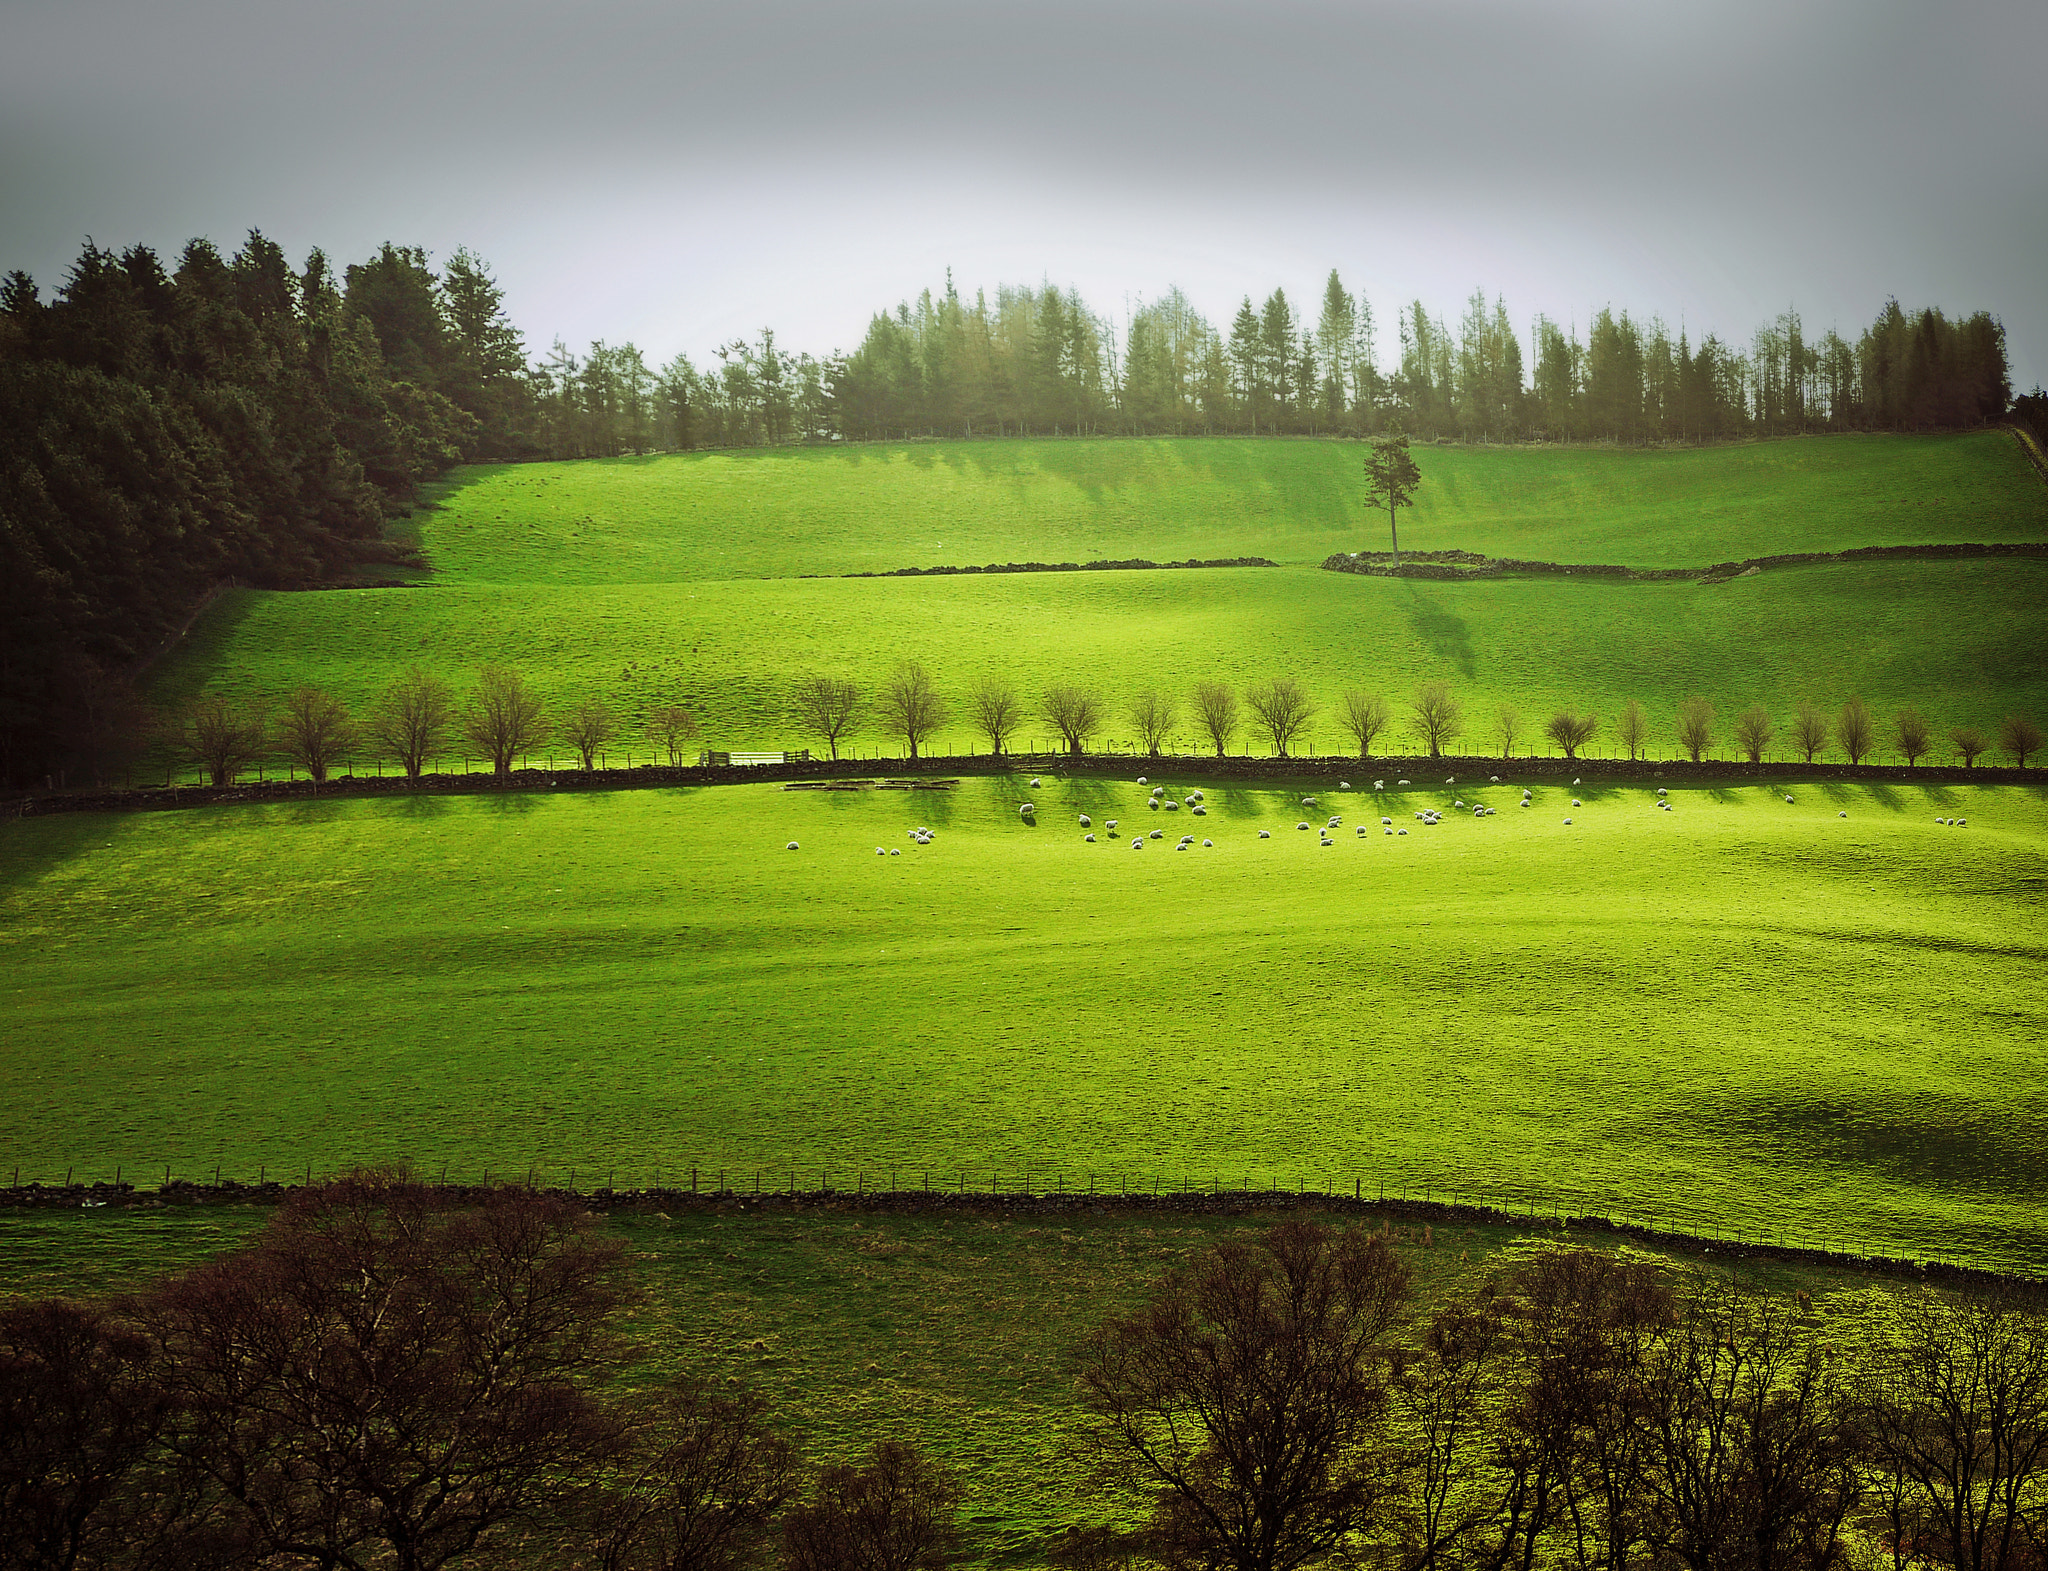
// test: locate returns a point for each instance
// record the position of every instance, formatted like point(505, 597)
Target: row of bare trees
point(417, 718)
point(1279, 711)
point(389, 1378)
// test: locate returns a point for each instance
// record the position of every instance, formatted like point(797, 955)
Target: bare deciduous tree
point(503, 717)
point(1912, 734)
point(589, 727)
point(1970, 744)
point(383, 1378)
point(222, 736)
point(1364, 717)
point(997, 712)
point(672, 728)
point(81, 1411)
point(1074, 712)
point(1753, 733)
point(1283, 709)
point(1855, 730)
point(314, 731)
point(1571, 732)
point(1216, 707)
point(410, 720)
point(1695, 726)
point(2018, 738)
point(1955, 1419)
point(1244, 1397)
point(705, 1478)
point(1810, 731)
point(1507, 725)
point(828, 706)
point(911, 706)
point(1152, 715)
point(1439, 717)
point(897, 1512)
point(1632, 730)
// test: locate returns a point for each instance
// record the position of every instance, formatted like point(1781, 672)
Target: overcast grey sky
point(680, 174)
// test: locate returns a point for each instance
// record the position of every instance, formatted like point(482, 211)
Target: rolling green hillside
point(783, 512)
point(1756, 1013)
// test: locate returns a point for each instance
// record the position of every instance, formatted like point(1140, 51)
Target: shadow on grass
point(30, 848)
point(1936, 1143)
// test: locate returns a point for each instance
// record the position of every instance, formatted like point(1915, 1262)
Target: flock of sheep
point(1197, 805)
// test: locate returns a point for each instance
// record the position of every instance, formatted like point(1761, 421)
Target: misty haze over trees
point(164, 431)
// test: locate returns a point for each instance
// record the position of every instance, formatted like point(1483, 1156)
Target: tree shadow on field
point(1884, 795)
point(511, 804)
point(30, 848)
point(1443, 632)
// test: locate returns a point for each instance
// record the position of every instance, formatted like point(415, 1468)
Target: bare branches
point(2019, 738)
point(1283, 709)
point(1152, 715)
point(997, 712)
point(1632, 729)
point(1809, 731)
point(410, 721)
point(911, 707)
point(828, 707)
point(503, 717)
point(1438, 716)
point(589, 727)
point(1695, 726)
point(1364, 717)
point(896, 1512)
point(1970, 744)
point(1216, 708)
point(314, 731)
point(1753, 733)
point(672, 728)
point(1855, 730)
point(1571, 732)
point(223, 736)
point(1912, 735)
point(1074, 712)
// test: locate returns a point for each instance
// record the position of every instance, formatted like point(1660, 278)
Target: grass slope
point(1963, 640)
point(783, 512)
point(960, 1332)
point(1743, 1010)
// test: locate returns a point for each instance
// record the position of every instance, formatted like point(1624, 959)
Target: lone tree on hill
point(1753, 733)
point(1913, 735)
point(1855, 729)
point(1439, 717)
point(1810, 731)
point(1216, 706)
point(2018, 737)
point(1695, 726)
point(1284, 710)
point(1390, 481)
point(911, 706)
point(671, 727)
point(410, 722)
point(827, 706)
point(1970, 743)
point(1365, 718)
point(1571, 732)
point(222, 736)
point(1152, 715)
point(314, 731)
point(589, 727)
point(1244, 1399)
point(997, 713)
point(1632, 730)
point(1074, 712)
point(503, 717)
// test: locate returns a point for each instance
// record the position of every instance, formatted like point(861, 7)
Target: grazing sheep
point(1343, 785)
point(1336, 819)
point(1141, 780)
point(1962, 823)
point(1088, 840)
point(1400, 831)
point(1388, 831)
point(1361, 831)
point(1172, 806)
point(1026, 810)
point(1302, 825)
point(1494, 778)
point(1158, 834)
point(1386, 820)
point(1086, 821)
point(1478, 812)
point(1843, 814)
point(1182, 846)
point(1400, 782)
point(879, 851)
point(1207, 844)
point(1200, 811)
point(1111, 824)
point(1034, 782)
point(1575, 802)
point(1379, 785)
point(895, 850)
point(1567, 820)
point(792, 845)
point(1265, 834)
point(1788, 801)
point(1660, 790)
point(1138, 844)
point(1526, 802)
point(1575, 781)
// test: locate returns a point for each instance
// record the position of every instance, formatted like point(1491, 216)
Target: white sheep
point(1361, 831)
point(1379, 785)
point(879, 851)
point(1200, 811)
point(1182, 846)
point(1026, 810)
point(1088, 840)
point(1141, 780)
point(1111, 824)
point(1343, 785)
point(1788, 801)
point(1336, 819)
point(1842, 814)
point(1386, 831)
point(1386, 820)
point(1460, 802)
point(895, 850)
point(1494, 778)
point(1962, 823)
point(1138, 844)
point(792, 845)
point(1153, 804)
point(1400, 831)
point(1575, 802)
point(1086, 821)
point(1567, 820)
point(1158, 834)
point(1207, 844)
point(1660, 790)
point(1265, 834)
point(1172, 806)
point(1400, 782)
point(1034, 782)
point(1302, 825)
point(1575, 780)
point(1452, 781)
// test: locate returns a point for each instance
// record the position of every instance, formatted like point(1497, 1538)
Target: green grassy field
point(959, 1332)
point(1741, 1011)
point(1963, 640)
point(654, 580)
point(782, 512)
